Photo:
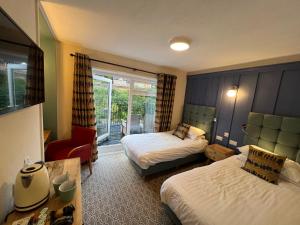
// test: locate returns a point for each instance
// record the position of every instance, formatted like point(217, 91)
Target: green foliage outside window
point(19, 88)
point(119, 109)
point(4, 98)
point(101, 104)
point(119, 104)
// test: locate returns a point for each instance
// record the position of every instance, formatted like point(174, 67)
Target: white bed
point(150, 149)
point(224, 194)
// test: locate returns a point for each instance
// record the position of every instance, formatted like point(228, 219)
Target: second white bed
point(224, 194)
point(150, 149)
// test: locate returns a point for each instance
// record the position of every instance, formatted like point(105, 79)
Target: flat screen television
point(21, 68)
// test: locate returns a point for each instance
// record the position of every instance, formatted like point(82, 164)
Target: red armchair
point(80, 145)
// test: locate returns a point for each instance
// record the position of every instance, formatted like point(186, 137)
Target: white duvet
point(152, 148)
point(224, 194)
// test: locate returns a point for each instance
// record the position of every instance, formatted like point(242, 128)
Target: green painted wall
point(48, 45)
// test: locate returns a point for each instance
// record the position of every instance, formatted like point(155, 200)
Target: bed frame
point(164, 166)
point(197, 116)
point(274, 133)
point(171, 214)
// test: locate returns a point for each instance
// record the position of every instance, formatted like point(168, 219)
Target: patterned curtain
point(164, 101)
point(35, 77)
point(83, 110)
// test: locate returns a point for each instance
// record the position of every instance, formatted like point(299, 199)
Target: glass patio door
point(142, 101)
point(102, 97)
point(124, 103)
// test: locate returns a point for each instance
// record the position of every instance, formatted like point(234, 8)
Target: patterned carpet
point(116, 194)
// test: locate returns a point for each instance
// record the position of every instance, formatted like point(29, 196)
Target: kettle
point(32, 187)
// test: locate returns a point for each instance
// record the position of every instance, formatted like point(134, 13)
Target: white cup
point(67, 190)
point(57, 181)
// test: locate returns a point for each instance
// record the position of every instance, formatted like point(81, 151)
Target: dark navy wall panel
point(202, 89)
point(270, 89)
point(288, 102)
point(199, 96)
point(219, 96)
point(207, 91)
point(243, 105)
point(266, 92)
point(226, 107)
point(212, 91)
point(193, 98)
point(188, 90)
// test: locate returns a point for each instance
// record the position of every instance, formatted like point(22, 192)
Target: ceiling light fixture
point(180, 44)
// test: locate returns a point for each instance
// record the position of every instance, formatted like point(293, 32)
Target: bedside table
point(216, 152)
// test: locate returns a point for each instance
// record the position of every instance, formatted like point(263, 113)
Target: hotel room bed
point(224, 194)
point(155, 152)
point(150, 149)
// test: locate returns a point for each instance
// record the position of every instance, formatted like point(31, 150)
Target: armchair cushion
point(58, 154)
point(82, 135)
point(59, 144)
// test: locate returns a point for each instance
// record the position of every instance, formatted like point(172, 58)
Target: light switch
point(226, 134)
point(219, 138)
point(232, 142)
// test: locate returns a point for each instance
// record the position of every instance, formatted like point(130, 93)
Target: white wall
point(65, 81)
point(20, 131)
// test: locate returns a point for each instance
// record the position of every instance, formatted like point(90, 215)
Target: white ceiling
point(223, 32)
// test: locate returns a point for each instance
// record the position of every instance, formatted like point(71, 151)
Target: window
point(13, 85)
point(131, 108)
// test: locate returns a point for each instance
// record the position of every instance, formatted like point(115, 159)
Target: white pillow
point(202, 137)
point(195, 133)
point(245, 149)
point(290, 170)
point(242, 158)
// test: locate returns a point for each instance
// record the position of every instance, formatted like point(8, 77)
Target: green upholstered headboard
point(201, 117)
point(277, 134)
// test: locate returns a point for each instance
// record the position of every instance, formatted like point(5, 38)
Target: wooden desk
point(47, 134)
point(55, 168)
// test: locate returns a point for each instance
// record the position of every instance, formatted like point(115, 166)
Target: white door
point(102, 96)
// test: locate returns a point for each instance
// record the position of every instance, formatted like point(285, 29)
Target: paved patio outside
point(114, 137)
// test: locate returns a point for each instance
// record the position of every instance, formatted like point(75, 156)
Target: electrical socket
point(232, 142)
point(219, 138)
point(226, 134)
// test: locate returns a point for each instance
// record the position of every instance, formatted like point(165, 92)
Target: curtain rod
point(114, 64)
